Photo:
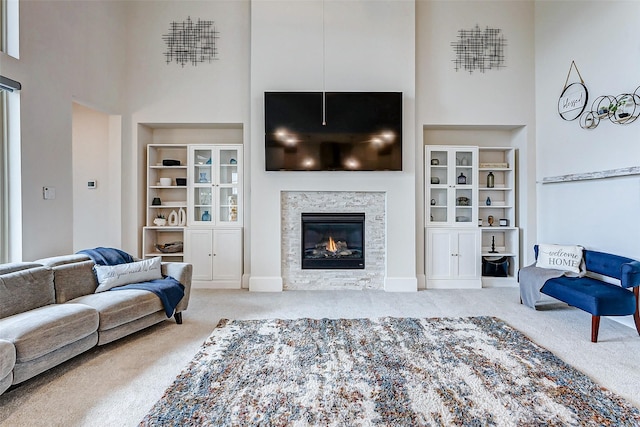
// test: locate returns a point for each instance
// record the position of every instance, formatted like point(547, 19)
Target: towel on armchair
point(532, 279)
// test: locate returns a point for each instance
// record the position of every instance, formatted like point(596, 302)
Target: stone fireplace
point(340, 207)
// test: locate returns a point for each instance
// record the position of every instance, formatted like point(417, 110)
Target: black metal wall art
point(479, 49)
point(191, 42)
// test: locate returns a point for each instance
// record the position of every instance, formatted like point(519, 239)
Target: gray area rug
point(390, 371)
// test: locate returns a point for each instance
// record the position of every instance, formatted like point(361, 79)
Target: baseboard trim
point(265, 284)
point(400, 284)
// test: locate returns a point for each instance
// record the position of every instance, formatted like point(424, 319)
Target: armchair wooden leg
point(636, 315)
point(595, 326)
point(178, 317)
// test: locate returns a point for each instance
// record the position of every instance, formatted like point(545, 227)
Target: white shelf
point(163, 254)
point(497, 228)
point(495, 188)
point(506, 238)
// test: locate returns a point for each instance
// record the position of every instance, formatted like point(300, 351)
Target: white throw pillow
point(110, 276)
point(560, 257)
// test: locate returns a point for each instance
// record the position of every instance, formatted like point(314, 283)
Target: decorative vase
point(182, 217)
point(203, 177)
point(173, 218)
point(488, 202)
point(490, 180)
point(206, 216)
point(156, 201)
point(462, 179)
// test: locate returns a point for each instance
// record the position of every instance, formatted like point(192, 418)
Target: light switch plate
point(49, 193)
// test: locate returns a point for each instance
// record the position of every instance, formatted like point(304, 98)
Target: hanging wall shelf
point(622, 110)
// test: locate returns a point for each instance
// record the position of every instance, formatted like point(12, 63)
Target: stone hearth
point(294, 203)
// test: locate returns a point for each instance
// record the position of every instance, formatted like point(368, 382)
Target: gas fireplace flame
point(331, 245)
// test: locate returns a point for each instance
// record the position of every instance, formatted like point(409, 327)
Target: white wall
point(68, 50)
point(451, 101)
point(161, 93)
point(368, 45)
point(603, 40)
point(96, 156)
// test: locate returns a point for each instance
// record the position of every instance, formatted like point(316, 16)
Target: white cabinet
point(194, 180)
point(497, 212)
point(452, 258)
point(216, 255)
point(215, 193)
point(451, 198)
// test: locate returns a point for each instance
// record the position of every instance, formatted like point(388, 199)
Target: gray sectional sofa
point(49, 313)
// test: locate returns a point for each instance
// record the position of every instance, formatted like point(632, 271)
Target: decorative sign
point(191, 42)
point(573, 98)
point(478, 49)
point(573, 101)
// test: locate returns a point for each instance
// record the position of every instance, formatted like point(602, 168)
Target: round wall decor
point(573, 101)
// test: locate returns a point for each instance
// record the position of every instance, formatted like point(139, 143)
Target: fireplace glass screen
point(333, 240)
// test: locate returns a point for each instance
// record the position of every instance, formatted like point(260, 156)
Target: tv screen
point(337, 131)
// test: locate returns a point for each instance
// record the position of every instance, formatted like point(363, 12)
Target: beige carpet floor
point(116, 385)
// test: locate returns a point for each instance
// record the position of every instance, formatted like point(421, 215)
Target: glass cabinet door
point(439, 187)
point(202, 173)
point(451, 196)
point(202, 206)
point(228, 182)
point(464, 194)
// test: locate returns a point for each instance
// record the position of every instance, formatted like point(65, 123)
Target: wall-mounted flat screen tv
point(333, 131)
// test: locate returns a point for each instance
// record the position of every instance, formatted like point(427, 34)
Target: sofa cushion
point(74, 280)
point(118, 308)
point(25, 290)
point(7, 358)
point(110, 276)
point(37, 332)
point(17, 266)
point(63, 259)
point(592, 295)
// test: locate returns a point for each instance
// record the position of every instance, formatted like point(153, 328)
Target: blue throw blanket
point(107, 256)
point(168, 289)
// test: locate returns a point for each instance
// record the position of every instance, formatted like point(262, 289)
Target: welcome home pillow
point(561, 257)
point(110, 276)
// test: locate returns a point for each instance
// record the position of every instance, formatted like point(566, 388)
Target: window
point(9, 28)
point(4, 206)
point(3, 24)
